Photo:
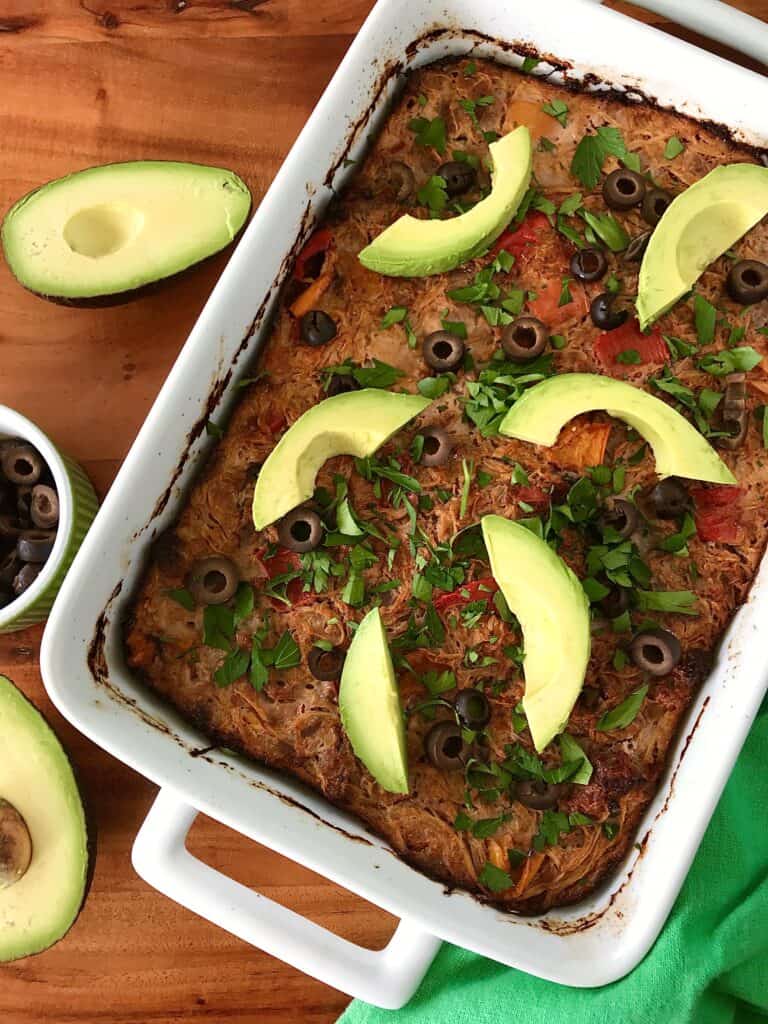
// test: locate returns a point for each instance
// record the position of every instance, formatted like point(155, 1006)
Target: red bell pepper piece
point(717, 513)
point(284, 561)
point(651, 348)
point(319, 242)
point(475, 591)
point(533, 496)
point(515, 240)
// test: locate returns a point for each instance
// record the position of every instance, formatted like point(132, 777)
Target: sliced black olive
point(733, 412)
point(25, 577)
point(623, 189)
point(317, 328)
point(473, 708)
point(603, 313)
point(540, 795)
point(397, 181)
point(300, 530)
point(437, 447)
point(747, 282)
point(44, 506)
point(213, 580)
point(657, 651)
point(615, 602)
point(443, 351)
point(326, 665)
point(655, 205)
point(444, 746)
point(458, 177)
point(35, 545)
point(622, 516)
point(10, 564)
point(341, 384)
point(589, 264)
point(21, 464)
point(524, 339)
point(669, 498)
point(636, 248)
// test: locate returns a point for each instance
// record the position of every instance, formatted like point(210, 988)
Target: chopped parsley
point(734, 360)
point(234, 667)
point(680, 601)
point(470, 106)
point(434, 387)
point(494, 878)
point(429, 133)
point(673, 148)
point(546, 145)
point(565, 293)
point(705, 318)
point(553, 824)
point(529, 63)
point(592, 152)
point(679, 348)
point(629, 357)
point(468, 471)
point(399, 315)
point(456, 327)
point(470, 69)
point(433, 194)
point(606, 227)
point(380, 375)
point(498, 387)
point(183, 597)
point(213, 429)
point(623, 714)
point(557, 109)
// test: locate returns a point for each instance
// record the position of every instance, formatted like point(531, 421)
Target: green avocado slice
point(553, 611)
point(679, 449)
point(417, 248)
point(698, 226)
point(369, 704)
point(355, 423)
point(111, 230)
point(37, 908)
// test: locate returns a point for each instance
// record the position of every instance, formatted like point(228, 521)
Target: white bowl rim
point(15, 424)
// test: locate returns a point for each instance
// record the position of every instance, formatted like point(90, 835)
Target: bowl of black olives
point(46, 506)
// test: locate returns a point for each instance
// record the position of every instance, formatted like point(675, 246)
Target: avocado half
point(417, 248)
point(356, 423)
point(102, 235)
point(698, 226)
point(554, 618)
point(679, 449)
point(43, 838)
point(369, 705)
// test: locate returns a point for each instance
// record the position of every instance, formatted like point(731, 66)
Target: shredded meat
point(293, 723)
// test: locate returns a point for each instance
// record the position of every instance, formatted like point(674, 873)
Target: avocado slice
point(679, 449)
point(369, 704)
point(109, 231)
point(418, 248)
point(553, 611)
point(39, 806)
point(697, 227)
point(355, 423)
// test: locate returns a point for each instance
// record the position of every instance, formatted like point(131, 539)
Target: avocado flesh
point(355, 423)
point(369, 705)
point(114, 229)
point(418, 248)
point(36, 779)
point(679, 449)
point(698, 226)
point(553, 611)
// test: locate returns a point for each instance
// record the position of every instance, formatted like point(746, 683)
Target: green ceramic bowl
point(77, 507)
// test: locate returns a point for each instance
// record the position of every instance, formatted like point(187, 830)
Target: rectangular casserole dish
point(590, 944)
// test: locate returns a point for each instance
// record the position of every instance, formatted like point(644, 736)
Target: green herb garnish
point(623, 714)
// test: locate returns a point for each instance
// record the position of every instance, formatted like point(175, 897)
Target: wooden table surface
point(94, 81)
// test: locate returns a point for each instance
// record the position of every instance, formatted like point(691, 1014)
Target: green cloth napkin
point(709, 965)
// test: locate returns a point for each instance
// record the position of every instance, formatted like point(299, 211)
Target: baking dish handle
point(716, 20)
point(387, 978)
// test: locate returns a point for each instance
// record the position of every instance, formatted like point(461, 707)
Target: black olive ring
point(656, 651)
point(524, 339)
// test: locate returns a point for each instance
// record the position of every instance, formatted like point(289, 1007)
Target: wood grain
point(98, 81)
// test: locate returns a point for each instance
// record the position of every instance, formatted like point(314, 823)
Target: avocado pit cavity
point(100, 231)
point(15, 845)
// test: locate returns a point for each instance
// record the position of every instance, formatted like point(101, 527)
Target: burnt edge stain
point(96, 659)
point(12, 26)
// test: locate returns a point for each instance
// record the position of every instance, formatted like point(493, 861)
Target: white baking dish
point(590, 944)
